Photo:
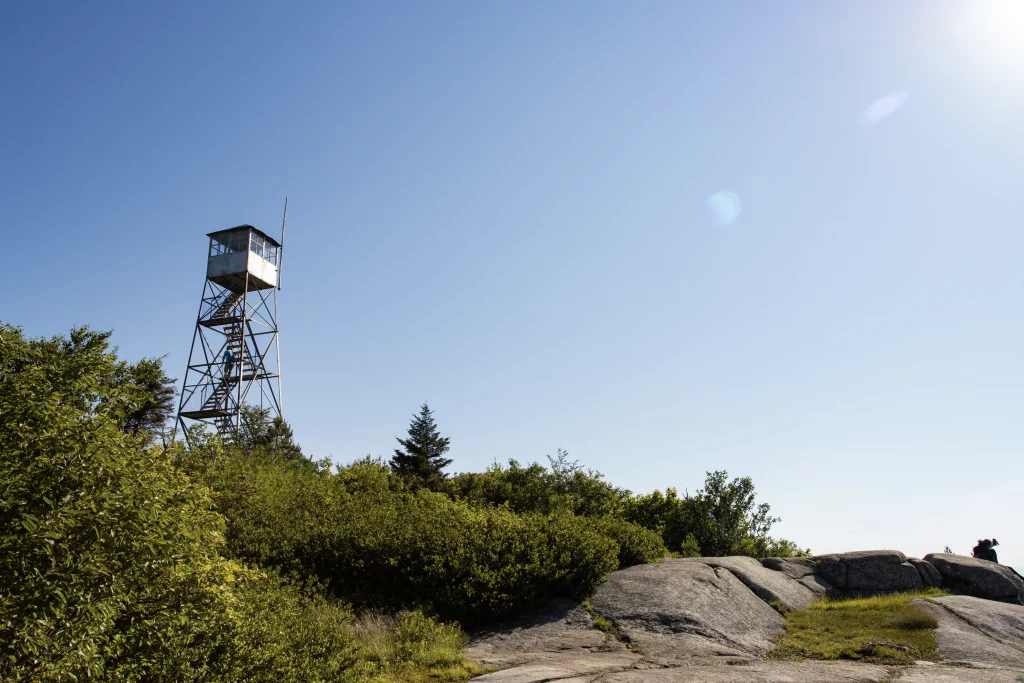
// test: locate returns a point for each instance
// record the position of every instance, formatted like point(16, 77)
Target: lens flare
point(883, 107)
point(725, 207)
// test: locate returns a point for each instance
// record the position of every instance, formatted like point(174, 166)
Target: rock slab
point(817, 585)
point(926, 672)
point(696, 620)
point(1001, 621)
point(561, 635)
point(984, 579)
point(793, 567)
point(961, 641)
point(930, 576)
point(679, 610)
point(770, 586)
point(870, 572)
point(754, 672)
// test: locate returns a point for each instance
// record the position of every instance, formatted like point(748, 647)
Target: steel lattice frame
point(213, 390)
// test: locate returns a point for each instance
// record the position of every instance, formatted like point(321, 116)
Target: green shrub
point(379, 545)
point(252, 628)
point(110, 555)
point(637, 545)
point(666, 514)
point(689, 547)
point(564, 486)
point(721, 518)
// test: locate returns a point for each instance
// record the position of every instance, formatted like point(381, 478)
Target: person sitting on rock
point(992, 551)
point(983, 551)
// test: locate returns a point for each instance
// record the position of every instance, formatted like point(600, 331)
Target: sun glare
point(996, 29)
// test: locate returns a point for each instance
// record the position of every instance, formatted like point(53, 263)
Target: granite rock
point(967, 639)
point(793, 567)
point(930, 576)
point(702, 607)
point(869, 572)
point(770, 586)
point(981, 578)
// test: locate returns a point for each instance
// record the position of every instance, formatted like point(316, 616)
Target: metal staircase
point(224, 313)
point(218, 405)
point(227, 306)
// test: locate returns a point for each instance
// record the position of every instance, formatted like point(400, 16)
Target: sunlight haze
point(779, 239)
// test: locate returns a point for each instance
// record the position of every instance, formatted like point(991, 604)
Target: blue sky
point(503, 209)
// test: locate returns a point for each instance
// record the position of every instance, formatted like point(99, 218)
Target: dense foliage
point(125, 560)
point(152, 402)
point(722, 518)
point(367, 536)
point(258, 430)
point(564, 486)
point(110, 555)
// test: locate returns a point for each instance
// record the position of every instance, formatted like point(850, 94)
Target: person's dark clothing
point(984, 551)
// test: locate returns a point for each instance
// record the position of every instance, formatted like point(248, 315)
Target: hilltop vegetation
point(129, 560)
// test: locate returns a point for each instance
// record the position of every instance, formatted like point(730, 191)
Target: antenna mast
point(280, 260)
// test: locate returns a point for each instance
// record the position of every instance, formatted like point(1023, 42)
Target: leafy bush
point(127, 562)
point(667, 515)
point(109, 554)
point(380, 545)
point(565, 487)
point(722, 518)
point(252, 628)
point(637, 545)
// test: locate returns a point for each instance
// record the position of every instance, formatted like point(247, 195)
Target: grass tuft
point(410, 648)
point(607, 627)
point(602, 624)
point(884, 629)
point(915, 619)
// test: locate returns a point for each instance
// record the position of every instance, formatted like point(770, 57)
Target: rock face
point(981, 578)
point(978, 631)
point(793, 567)
point(1000, 621)
point(816, 585)
point(770, 586)
point(869, 572)
point(560, 635)
point(930, 576)
point(753, 672)
point(708, 619)
point(683, 609)
point(925, 672)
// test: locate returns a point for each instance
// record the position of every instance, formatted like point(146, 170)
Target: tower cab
point(243, 259)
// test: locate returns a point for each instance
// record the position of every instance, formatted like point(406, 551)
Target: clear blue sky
point(504, 209)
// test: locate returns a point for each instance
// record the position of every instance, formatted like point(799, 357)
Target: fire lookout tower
point(235, 357)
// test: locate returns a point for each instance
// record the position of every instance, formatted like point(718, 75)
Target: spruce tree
point(274, 435)
point(421, 458)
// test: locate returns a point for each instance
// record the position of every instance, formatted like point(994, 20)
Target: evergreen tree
point(155, 392)
point(274, 435)
point(421, 458)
